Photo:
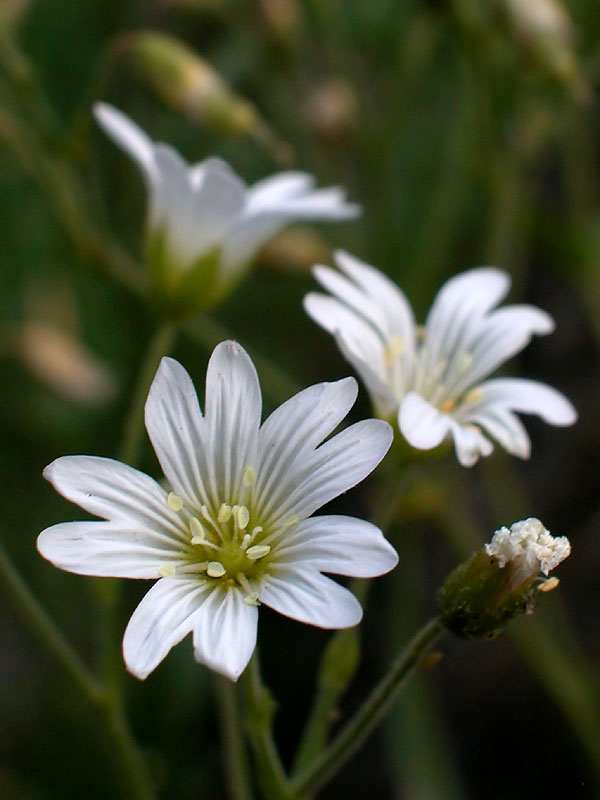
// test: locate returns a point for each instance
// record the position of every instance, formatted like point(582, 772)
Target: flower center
point(224, 544)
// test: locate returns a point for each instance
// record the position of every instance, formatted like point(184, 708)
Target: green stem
point(36, 618)
point(135, 781)
point(133, 430)
point(235, 763)
point(260, 709)
point(347, 742)
point(342, 654)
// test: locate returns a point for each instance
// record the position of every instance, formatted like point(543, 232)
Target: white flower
point(529, 548)
point(234, 531)
point(432, 377)
point(202, 217)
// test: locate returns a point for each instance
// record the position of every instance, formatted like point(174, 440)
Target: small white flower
point(431, 378)
point(203, 217)
point(529, 548)
point(234, 531)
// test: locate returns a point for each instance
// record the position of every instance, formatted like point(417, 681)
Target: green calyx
point(479, 598)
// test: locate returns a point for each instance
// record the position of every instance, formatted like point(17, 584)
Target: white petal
point(108, 549)
point(218, 199)
point(337, 544)
point(333, 468)
point(295, 429)
point(177, 431)
point(232, 414)
point(422, 425)
point(504, 426)
point(383, 397)
point(308, 596)
point(361, 339)
point(129, 136)
point(390, 299)
point(530, 397)
point(172, 203)
point(455, 314)
point(265, 194)
point(498, 337)
point(225, 632)
point(245, 237)
point(164, 617)
point(470, 444)
point(113, 490)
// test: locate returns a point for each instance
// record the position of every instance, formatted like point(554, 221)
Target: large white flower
point(431, 377)
point(234, 531)
point(203, 220)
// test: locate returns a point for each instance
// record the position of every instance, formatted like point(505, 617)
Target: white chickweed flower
point(431, 377)
point(205, 225)
point(235, 530)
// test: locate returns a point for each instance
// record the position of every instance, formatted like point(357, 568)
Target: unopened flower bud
point(187, 83)
point(502, 580)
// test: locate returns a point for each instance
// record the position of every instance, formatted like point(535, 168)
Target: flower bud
point(502, 580)
point(187, 83)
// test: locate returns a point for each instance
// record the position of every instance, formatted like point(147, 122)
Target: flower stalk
point(350, 738)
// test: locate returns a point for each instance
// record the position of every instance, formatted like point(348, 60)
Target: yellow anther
point(465, 362)
point(256, 530)
point(196, 528)
point(174, 502)
point(225, 512)
point(246, 541)
point(474, 397)
point(252, 599)
point(548, 585)
point(249, 476)
point(447, 405)
point(394, 347)
point(215, 569)
point(258, 551)
point(206, 514)
point(242, 517)
point(166, 571)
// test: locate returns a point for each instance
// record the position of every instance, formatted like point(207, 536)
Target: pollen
point(447, 405)
point(549, 585)
point(215, 569)
point(225, 512)
point(174, 502)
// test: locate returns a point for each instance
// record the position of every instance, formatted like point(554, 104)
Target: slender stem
point(235, 759)
point(260, 709)
point(135, 781)
point(159, 345)
point(368, 716)
point(37, 619)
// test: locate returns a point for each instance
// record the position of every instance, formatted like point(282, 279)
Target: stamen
point(246, 541)
point(242, 517)
point(258, 551)
point(465, 362)
point(549, 585)
point(447, 405)
point(252, 599)
point(215, 569)
point(474, 397)
point(197, 530)
point(166, 570)
point(249, 476)
point(225, 512)
point(174, 502)
point(394, 348)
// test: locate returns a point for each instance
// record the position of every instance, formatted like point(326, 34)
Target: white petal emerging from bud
point(530, 545)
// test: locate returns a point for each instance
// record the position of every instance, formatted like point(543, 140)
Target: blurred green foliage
point(469, 132)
